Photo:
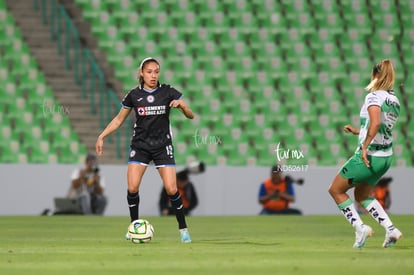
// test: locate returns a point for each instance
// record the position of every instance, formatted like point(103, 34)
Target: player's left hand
point(183, 107)
point(176, 103)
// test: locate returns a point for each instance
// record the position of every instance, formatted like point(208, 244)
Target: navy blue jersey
point(152, 109)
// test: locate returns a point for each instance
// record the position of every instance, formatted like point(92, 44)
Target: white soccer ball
point(141, 231)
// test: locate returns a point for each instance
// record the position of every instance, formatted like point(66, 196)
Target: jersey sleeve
point(372, 99)
point(127, 101)
point(175, 94)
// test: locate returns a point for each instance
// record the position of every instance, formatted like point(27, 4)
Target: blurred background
point(260, 75)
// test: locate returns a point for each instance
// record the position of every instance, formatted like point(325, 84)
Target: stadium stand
point(310, 66)
point(262, 73)
point(29, 126)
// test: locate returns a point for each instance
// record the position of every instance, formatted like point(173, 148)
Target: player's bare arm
point(116, 122)
point(183, 107)
point(374, 113)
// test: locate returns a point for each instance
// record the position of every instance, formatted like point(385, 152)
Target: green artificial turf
point(221, 245)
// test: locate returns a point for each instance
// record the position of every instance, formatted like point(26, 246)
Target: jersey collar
point(149, 91)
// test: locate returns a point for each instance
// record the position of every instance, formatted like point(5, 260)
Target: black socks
point(133, 203)
point(177, 203)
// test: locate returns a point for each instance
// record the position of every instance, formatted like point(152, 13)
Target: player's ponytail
point(383, 76)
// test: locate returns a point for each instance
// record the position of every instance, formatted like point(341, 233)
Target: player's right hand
point(350, 129)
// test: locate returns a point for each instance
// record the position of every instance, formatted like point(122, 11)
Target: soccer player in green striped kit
point(372, 158)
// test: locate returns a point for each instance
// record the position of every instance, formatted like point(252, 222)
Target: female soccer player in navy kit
point(151, 140)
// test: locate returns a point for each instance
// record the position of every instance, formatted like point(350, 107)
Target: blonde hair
point(383, 76)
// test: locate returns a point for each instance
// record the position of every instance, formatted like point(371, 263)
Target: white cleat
point(392, 237)
point(361, 235)
point(185, 235)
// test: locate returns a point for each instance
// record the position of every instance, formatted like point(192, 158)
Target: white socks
point(378, 213)
point(350, 213)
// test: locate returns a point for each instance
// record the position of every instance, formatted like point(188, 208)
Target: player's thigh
point(356, 171)
point(134, 175)
point(168, 176)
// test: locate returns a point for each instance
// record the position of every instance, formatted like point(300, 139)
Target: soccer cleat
point(391, 237)
point(361, 235)
point(185, 235)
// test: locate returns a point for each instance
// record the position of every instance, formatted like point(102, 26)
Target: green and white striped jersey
point(381, 145)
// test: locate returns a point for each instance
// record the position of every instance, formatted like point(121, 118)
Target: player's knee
point(171, 190)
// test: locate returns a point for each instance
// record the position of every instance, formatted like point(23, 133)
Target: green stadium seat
point(9, 30)
point(127, 70)
point(274, 63)
point(186, 19)
point(298, 14)
point(121, 11)
point(358, 21)
point(30, 77)
point(4, 119)
point(101, 21)
point(7, 134)
point(402, 157)
point(385, 17)
point(42, 100)
point(356, 15)
point(73, 153)
point(39, 156)
point(383, 46)
point(329, 155)
point(209, 156)
point(116, 55)
point(25, 99)
point(11, 153)
point(274, 20)
point(128, 22)
point(57, 123)
point(353, 43)
point(326, 13)
point(92, 9)
point(39, 153)
point(108, 39)
point(407, 20)
point(31, 136)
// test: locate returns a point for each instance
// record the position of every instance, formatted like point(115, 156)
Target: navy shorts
point(162, 156)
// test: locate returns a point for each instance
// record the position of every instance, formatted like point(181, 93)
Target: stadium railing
point(86, 70)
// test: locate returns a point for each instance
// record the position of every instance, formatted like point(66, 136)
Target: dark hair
point(183, 175)
point(376, 69)
point(141, 66)
point(276, 168)
point(384, 181)
point(90, 157)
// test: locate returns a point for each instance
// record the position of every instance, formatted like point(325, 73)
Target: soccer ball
point(141, 231)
